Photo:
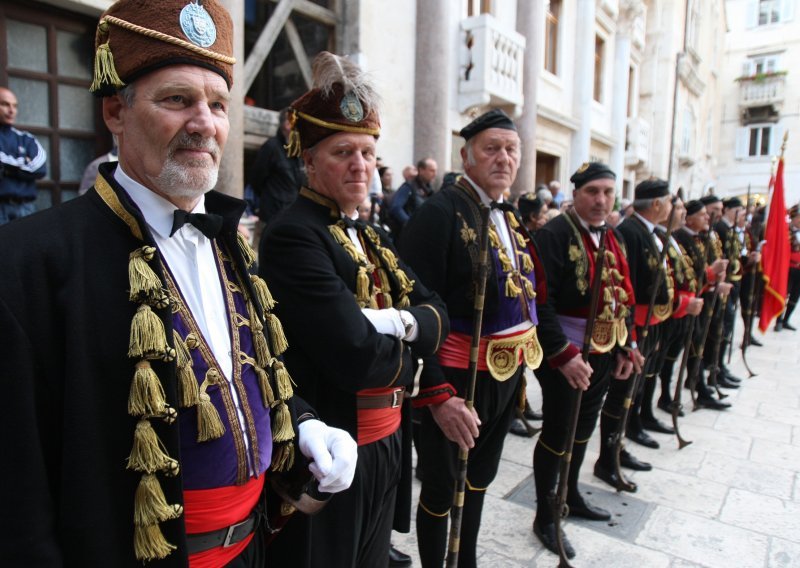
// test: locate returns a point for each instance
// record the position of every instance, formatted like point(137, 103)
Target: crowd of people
point(180, 400)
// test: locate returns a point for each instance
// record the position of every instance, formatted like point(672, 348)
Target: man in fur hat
point(149, 400)
point(357, 318)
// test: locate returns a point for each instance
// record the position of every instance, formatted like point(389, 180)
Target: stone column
point(619, 102)
point(583, 71)
point(530, 23)
point(231, 171)
point(432, 83)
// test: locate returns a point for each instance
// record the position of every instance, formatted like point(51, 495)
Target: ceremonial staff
point(748, 314)
point(457, 510)
point(558, 501)
point(623, 484)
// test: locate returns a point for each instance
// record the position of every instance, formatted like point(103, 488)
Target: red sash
point(208, 510)
point(377, 423)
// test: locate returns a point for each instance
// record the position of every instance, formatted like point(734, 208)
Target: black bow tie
point(356, 224)
point(504, 206)
point(207, 223)
point(597, 228)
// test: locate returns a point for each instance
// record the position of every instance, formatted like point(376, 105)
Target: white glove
point(386, 321)
point(333, 454)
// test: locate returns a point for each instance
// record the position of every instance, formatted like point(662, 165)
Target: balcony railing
point(762, 90)
point(637, 147)
point(491, 64)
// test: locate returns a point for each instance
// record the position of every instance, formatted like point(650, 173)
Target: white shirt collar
point(158, 213)
point(485, 199)
point(584, 224)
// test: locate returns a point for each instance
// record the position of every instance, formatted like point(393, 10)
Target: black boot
point(431, 538)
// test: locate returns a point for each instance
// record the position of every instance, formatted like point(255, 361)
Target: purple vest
point(224, 461)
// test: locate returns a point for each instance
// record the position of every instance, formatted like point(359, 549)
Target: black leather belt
point(224, 537)
point(391, 400)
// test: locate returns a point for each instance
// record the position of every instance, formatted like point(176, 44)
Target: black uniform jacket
point(334, 351)
point(643, 256)
point(65, 315)
point(441, 243)
point(695, 247)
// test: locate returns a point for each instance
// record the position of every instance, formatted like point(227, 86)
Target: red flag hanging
point(775, 255)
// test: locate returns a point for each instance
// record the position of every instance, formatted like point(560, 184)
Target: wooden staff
point(558, 501)
point(482, 275)
point(623, 484)
point(748, 315)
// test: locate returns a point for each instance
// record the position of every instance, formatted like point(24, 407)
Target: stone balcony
point(637, 143)
point(491, 65)
point(762, 91)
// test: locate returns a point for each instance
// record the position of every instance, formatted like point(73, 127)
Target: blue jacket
point(22, 161)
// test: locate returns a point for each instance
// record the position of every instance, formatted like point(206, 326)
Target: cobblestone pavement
point(731, 499)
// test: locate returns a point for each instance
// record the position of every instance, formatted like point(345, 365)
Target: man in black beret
point(533, 211)
point(441, 243)
point(568, 248)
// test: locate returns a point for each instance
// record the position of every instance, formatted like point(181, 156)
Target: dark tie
point(356, 224)
point(207, 223)
point(597, 228)
point(504, 206)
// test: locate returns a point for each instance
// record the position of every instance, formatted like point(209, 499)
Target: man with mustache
point(441, 243)
point(150, 400)
point(356, 316)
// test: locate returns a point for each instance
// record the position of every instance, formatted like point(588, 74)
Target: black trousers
point(557, 400)
point(675, 335)
point(355, 527)
point(438, 458)
point(728, 321)
point(793, 293)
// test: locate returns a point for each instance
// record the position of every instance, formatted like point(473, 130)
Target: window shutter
point(751, 17)
point(742, 142)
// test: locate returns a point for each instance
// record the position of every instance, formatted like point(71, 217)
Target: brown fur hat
point(136, 37)
point(341, 100)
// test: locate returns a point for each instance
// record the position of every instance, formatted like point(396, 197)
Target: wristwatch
point(408, 322)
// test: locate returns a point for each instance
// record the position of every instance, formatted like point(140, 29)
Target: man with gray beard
point(150, 398)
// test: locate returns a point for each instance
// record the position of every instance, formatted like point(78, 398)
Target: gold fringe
point(283, 380)
point(209, 424)
point(267, 396)
point(527, 263)
point(148, 454)
point(281, 423)
point(143, 281)
point(529, 291)
point(105, 73)
point(150, 506)
point(262, 293)
point(148, 338)
point(282, 457)
point(247, 251)
point(149, 543)
point(146, 395)
point(512, 290)
point(278, 337)
point(362, 287)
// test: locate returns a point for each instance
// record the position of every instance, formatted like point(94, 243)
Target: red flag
point(775, 255)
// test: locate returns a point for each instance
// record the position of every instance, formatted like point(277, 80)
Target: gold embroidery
point(503, 354)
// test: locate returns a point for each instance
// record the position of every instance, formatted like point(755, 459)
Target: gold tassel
point(527, 263)
point(523, 393)
point(209, 424)
point(181, 350)
point(283, 380)
point(262, 349)
point(267, 396)
point(294, 148)
point(529, 291)
point(150, 505)
point(247, 251)
point(147, 395)
point(143, 281)
point(608, 296)
point(279, 343)
point(406, 284)
point(389, 258)
point(262, 293)
point(505, 262)
point(148, 454)
point(149, 543)
point(512, 220)
point(105, 73)
point(148, 338)
point(494, 239)
point(282, 457)
point(362, 287)
point(520, 240)
point(281, 423)
point(512, 290)
point(403, 303)
point(188, 389)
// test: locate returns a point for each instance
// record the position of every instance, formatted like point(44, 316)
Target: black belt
point(224, 537)
point(391, 400)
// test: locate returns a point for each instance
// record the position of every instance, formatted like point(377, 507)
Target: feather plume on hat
point(341, 99)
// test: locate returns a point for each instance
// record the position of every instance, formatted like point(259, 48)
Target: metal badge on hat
point(197, 24)
point(351, 107)
point(583, 168)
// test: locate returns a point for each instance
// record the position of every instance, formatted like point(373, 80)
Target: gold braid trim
point(247, 251)
point(267, 394)
point(111, 199)
point(340, 127)
point(365, 268)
